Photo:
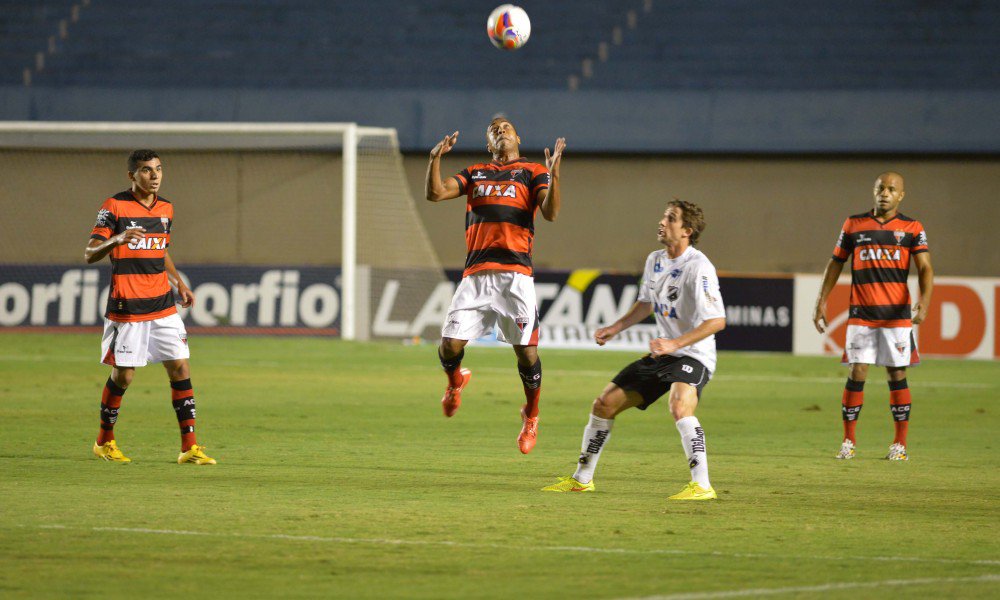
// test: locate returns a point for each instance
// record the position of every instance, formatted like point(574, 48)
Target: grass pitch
point(339, 477)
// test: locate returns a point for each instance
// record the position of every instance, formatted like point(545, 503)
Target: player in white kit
point(680, 286)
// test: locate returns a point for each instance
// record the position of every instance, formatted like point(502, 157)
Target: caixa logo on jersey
point(226, 296)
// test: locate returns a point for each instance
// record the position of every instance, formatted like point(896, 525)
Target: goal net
point(279, 227)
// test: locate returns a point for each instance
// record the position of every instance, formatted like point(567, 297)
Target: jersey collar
point(504, 164)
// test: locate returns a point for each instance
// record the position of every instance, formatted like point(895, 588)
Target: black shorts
point(651, 377)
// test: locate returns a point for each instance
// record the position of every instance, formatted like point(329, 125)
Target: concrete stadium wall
point(763, 214)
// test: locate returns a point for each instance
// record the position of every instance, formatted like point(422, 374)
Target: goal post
point(266, 185)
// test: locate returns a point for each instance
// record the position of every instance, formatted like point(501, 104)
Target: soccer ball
point(508, 27)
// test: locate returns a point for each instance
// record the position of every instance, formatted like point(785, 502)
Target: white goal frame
point(346, 136)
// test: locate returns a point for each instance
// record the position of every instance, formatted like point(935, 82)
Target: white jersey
point(684, 292)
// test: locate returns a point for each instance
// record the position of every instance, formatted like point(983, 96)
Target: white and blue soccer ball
point(508, 27)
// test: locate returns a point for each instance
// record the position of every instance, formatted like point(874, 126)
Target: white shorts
point(882, 346)
point(136, 343)
point(502, 298)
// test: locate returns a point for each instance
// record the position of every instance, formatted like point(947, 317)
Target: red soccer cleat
point(453, 395)
point(529, 431)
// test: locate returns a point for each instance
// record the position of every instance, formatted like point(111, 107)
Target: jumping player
point(681, 287)
point(141, 323)
point(497, 286)
point(879, 327)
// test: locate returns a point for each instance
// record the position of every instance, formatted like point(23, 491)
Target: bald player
point(879, 244)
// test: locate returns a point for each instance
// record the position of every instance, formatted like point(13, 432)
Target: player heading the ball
point(498, 286)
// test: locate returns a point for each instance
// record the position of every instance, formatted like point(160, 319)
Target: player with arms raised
point(497, 286)
point(141, 324)
point(680, 286)
point(880, 244)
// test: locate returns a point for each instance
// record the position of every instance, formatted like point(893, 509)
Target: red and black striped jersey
point(880, 263)
point(500, 214)
point(140, 290)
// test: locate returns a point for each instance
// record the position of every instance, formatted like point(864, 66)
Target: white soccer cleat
point(897, 452)
point(846, 451)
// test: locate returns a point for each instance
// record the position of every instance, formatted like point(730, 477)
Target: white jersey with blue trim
point(684, 292)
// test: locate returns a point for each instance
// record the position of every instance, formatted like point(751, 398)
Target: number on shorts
point(687, 368)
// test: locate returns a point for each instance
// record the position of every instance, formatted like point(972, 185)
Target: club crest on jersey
point(500, 190)
point(515, 173)
point(899, 235)
point(657, 268)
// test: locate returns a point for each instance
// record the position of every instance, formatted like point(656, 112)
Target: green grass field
point(339, 477)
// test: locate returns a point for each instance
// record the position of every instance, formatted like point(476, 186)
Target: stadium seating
point(439, 44)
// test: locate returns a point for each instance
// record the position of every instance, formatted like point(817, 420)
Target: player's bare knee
point(451, 347)
point(526, 355)
point(859, 372)
point(603, 407)
point(895, 373)
point(122, 376)
point(178, 370)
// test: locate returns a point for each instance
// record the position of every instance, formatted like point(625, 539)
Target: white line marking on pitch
point(581, 549)
point(829, 587)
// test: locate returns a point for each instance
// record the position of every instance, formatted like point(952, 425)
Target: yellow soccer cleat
point(568, 484)
point(195, 454)
point(693, 491)
point(109, 451)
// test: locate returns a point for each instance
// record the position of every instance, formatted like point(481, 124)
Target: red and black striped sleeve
point(918, 242)
point(463, 178)
point(541, 178)
point(104, 228)
point(845, 243)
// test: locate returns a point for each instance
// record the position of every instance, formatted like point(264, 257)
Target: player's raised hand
point(129, 236)
point(445, 145)
point(919, 313)
point(819, 318)
point(552, 160)
point(602, 335)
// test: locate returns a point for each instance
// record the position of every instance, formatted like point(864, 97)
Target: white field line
point(574, 372)
point(829, 587)
point(519, 548)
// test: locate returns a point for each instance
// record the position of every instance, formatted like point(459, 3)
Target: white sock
point(595, 435)
point(693, 440)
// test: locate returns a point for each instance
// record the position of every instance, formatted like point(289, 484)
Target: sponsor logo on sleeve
point(103, 218)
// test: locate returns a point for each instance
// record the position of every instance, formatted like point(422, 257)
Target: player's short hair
point(503, 119)
point(692, 216)
point(139, 156)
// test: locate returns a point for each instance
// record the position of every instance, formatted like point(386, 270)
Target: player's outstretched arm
point(436, 190)
point(925, 277)
point(187, 296)
point(98, 249)
point(551, 198)
point(663, 346)
point(830, 277)
point(636, 314)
